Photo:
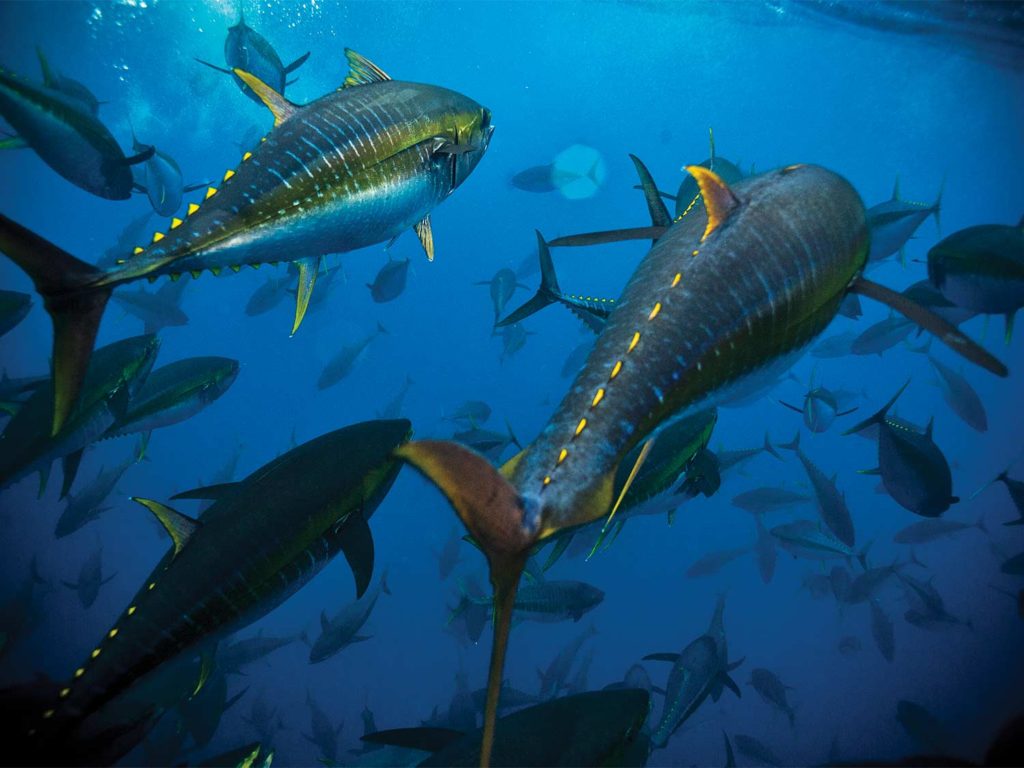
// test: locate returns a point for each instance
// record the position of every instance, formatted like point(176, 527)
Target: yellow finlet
point(158, 236)
point(580, 427)
point(210, 192)
point(79, 672)
point(655, 311)
point(246, 156)
point(562, 455)
point(65, 692)
point(278, 105)
point(137, 250)
point(719, 200)
point(228, 174)
point(633, 342)
point(192, 208)
point(95, 653)
point(112, 633)
point(616, 369)
point(175, 223)
point(132, 609)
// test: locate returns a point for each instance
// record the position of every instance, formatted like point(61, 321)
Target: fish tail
point(769, 448)
point(73, 300)
point(548, 293)
point(792, 445)
point(502, 526)
point(878, 416)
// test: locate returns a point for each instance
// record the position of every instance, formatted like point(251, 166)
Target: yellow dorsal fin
point(179, 526)
point(308, 270)
point(719, 200)
point(362, 71)
point(426, 236)
point(281, 108)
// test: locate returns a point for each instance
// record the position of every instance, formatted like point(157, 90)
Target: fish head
point(469, 125)
point(221, 375)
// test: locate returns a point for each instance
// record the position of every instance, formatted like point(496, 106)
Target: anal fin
point(426, 237)
point(309, 268)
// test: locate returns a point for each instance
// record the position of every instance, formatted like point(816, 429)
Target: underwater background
point(778, 85)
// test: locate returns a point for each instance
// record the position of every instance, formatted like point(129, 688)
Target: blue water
point(623, 78)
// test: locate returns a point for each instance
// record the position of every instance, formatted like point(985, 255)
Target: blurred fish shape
point(930, 735)
point(86, 505)
point(14, 307)
point(284, 201)
point(934, 528)
point(90, 578)
point(395, 407)
point(960, 396)
point(882, 336)
point(67, 86)
point(713, 562)
point(159, 179)
point(831, 502)
point(895, 221)
point(157, 310)
point(756, 750)
point(202, 712)
point(269, 295)
point(821, 407)
point(323, 734)
point(502, 286)
point(248, 50)
point(339, 632)
point(773, 692)
point(882, 631)
point(473, 412)
point(766, 499)
point(981, 268)
point(342, 364)
point(555, 677)
point(68, 138)
point(19, 609)
point(233, 658)
point(390, 281)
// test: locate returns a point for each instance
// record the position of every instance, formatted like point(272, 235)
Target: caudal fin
point(500, 524)
point(73, 300)
point(548, 293)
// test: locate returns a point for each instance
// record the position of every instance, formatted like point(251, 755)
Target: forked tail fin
point(548, 293)
point(502, 526)
point(74, 302)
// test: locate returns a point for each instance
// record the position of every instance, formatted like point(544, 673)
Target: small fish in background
point(929, 734)
point(472, 413)
point(395, 407)
point(248, 50)
point(14, 392)
point(756, 750)
point(450, 554)
point(134, 232)
point(390, 281)
point(19, 609)
point(157, 310)
point(468, 619)
point(86, 505)
point(713, 562)
point(68, 138)
point(822, 406)
point(555, 677)
point(14, 307)
point(265, 720)
point(90, 578)
point(488, 442)
point(369, 726)
point(338, 633)
point(544, 601)
point(831, 502)
point(513, 339)
point(895, 221)
point(233, 658)
point(773, 692)
point(849, 645)
point(29, 444)
point(766, 499)
point(865, 586)
point(270, 294)
point(839, 345)
point(935, 528)
point(960, 396)
point(818, 585)
point(981, 268)
point(1015, 489)
point(812, 540)
point(322, 734)
point(912, 467)
point(882, 336)
point(575, 359)
point(840, 582)
point(576, 172)
point(174, 393)
point(927, 295)
point(159, 179)
point(67, 86)
point(502, 287)
point(580, 681)
point(603, 724)
point(882, 631)
point(765, 551)
point(342, 364)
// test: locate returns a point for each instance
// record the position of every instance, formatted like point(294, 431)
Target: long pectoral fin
point(278, 105)
point(357, 546)
point(308, 270)
point(214, 66)
point(423, 739)
point(210, 492)
point(608, 236)
point(943, 330)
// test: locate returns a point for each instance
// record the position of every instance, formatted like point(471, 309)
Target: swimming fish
point(85, 506)
point(395, 407)
point(269, 295)
point(233, 658)
point(160, 179)
point(820, 408)
point(882, 336)
point(299, 511)
point(742, 285)
point(981, 268)
point(343, 629)
point(768, 499)
point(355, 167)
point(894, 222)
point(912, 467)
point(174, 393)
point(756, 750)
point(68, 138)
point(248, 50)
point(389, 283)
point(472, 412)
point(341, 365)
point(960, 396)
point(158, 310)
point(555, 677)
point(882, 631)
point(501, 286)
point(1016, 490)
point(68, 86)
point(831, 502)
point(323, 733)
point(27, 445)
point(713, 562)
point(773, 691)
point(933, 528)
